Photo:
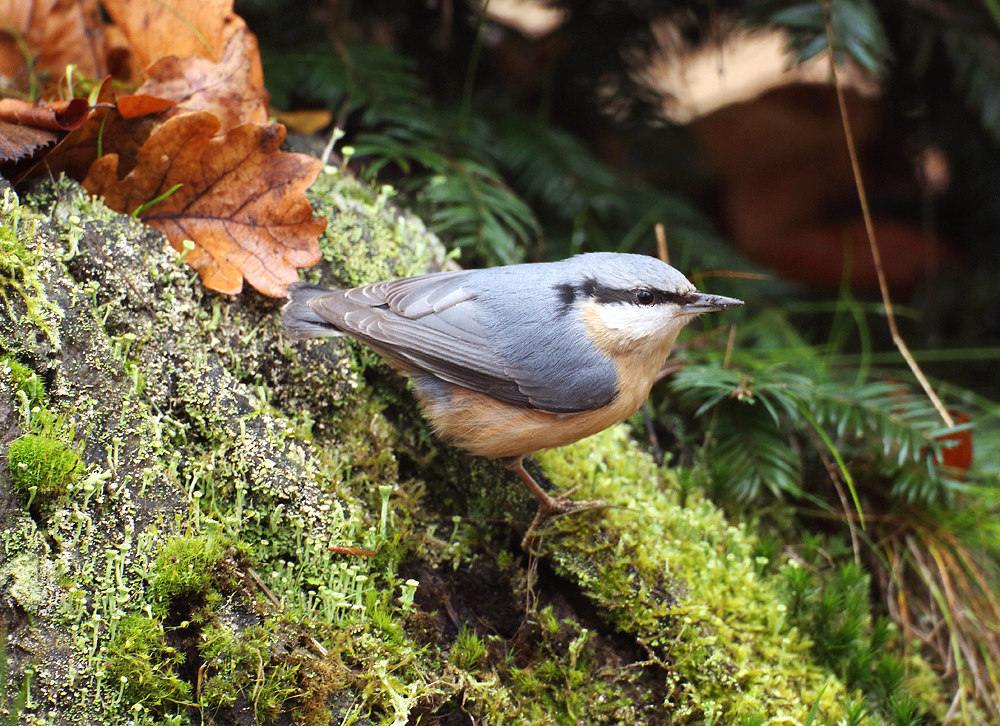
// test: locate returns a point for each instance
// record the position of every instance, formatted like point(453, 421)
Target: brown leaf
point(242, 201)
point(232, 89)
point(182, 28)
point(20, 142)
point(59, 116)
point(56, 33)
point(105, 131)
point(306, 121)
point(141, 104)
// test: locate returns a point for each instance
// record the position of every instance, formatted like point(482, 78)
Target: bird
point(506, 361)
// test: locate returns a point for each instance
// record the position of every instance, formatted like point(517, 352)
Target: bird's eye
point(644, 296)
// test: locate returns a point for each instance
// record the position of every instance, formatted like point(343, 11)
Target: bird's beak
point(702, 303)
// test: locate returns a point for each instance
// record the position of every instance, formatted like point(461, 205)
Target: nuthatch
point(509, 360)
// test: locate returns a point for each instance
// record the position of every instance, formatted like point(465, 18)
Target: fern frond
point(884, 422)
point(976, 60)
point(893, 422)
point(752, 455)
point(372, 77)
point(856, 27)
point(470, 206)
point(551, 167)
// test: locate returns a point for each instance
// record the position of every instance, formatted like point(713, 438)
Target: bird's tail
point(298, 319)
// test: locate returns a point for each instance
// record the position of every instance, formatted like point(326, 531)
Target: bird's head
point(634, 304)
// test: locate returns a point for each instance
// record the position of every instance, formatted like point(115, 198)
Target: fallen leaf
point(20, 142)
point(232, 89)
point(157, 28)
point(26, 129)
point(306, 121)
point(241, 200)
point(105, 131)
point(141, 104)
point(55, 33)
point(59, 116)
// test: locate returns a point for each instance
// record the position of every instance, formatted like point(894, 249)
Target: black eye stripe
point(593, 290)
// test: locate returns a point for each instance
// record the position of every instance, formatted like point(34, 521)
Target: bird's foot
point(549, 506)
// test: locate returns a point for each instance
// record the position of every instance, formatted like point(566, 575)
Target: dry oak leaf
point(141, 104)
point(20, 142)
point(55, 33)
point(183, 28)
point(59, 116)
point(232, 88)
point(26, 128)
point(113, 126)
point(241, 202)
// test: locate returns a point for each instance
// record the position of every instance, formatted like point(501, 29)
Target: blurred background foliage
point(520, 142)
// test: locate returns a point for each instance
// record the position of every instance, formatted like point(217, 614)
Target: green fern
point(586, 205)
point(750, 456)
point(855, 24)
point(761, 419)
point(384, 84)
point(553, 169)
point(471, 206)
point(976, 63)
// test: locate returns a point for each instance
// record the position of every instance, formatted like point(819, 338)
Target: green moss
point(192, 567)
point(367, 238)
point(141, 666)
point(686, 584)
point(469, 651)
point(245, 666)
point(567, 683)
point(20, 266)
point(42, 469)
point(24, 379)
point(297, 448)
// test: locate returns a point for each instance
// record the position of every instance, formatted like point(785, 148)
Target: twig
point(869, 228)
point(264, 588)
point(729, 346)
point(661, 242)
point(654, 440)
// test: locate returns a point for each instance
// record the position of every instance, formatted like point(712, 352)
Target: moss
point(24, 380)
point(229, 467)
point(42, 469)
point(687, 585)
point(567, 683)
point(243, 666)
point(469, 652)
point(21, 266)
point(367, 238)
point(192, 567)
point(141, 666)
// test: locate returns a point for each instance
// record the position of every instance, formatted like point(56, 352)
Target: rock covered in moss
point(260, 532)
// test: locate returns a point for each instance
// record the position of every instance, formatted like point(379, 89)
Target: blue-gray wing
point(435, 324)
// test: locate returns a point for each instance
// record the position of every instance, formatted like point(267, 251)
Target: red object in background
point(958, 456)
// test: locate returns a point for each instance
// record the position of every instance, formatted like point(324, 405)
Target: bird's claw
point(549, 506)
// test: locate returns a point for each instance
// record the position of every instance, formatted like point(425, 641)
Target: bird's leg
point(547, 504)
